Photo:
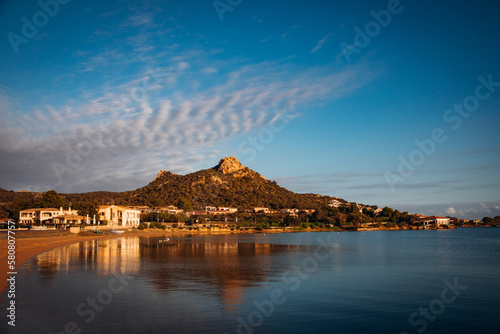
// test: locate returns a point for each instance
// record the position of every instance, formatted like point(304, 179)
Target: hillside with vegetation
point(228, 184)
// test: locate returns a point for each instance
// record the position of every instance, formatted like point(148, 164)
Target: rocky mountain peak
point(163, 172)
point(229, 165)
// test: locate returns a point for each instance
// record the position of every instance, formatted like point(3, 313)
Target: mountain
point(229, 183)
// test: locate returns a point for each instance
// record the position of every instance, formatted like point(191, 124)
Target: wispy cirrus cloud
point(321, 42)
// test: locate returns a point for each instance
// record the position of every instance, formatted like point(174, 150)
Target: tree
point(291, 221)
point(85, 208)
point(387, 212)
point(369, 212)
point(157, 202)
point(51, 199)
point(3, 213)
point(185, 204)
point(354, 219)
point(320, 215)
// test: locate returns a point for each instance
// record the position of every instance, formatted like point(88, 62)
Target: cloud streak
point(320, 43)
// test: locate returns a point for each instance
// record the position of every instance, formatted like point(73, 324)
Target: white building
point(264, 210)
point(434, 221)
point(219, 210)
point(171, 210)
point(44, 216)
point(335, 203)
point(290, 211)
point(117, 215)
point(229, 210)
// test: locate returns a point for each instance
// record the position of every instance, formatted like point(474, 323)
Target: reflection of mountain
point(231, 267)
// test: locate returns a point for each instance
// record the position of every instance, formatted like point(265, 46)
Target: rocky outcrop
point(229, 165)
point(163, 172)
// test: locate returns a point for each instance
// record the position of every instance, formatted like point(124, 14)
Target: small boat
point(116, 232)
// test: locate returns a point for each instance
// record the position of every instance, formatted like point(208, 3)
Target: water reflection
point(369, 283)
point(230, 267)
point(171, 265)
point(102, 256)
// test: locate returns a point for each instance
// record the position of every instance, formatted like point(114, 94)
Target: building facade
point(219, 210)
point(50, 216)
point(116, 215)
point(263, 210)
point(433, 221)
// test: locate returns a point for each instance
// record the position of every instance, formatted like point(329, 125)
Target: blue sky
point(317, 95)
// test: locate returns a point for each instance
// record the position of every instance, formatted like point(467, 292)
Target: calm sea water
point(328, 282)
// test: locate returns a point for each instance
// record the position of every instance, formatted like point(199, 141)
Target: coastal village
point(193, 203)
point(216, 218)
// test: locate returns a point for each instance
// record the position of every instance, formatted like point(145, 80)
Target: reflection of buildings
point(104, 256)
point(115, 255)
point(221, 269)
